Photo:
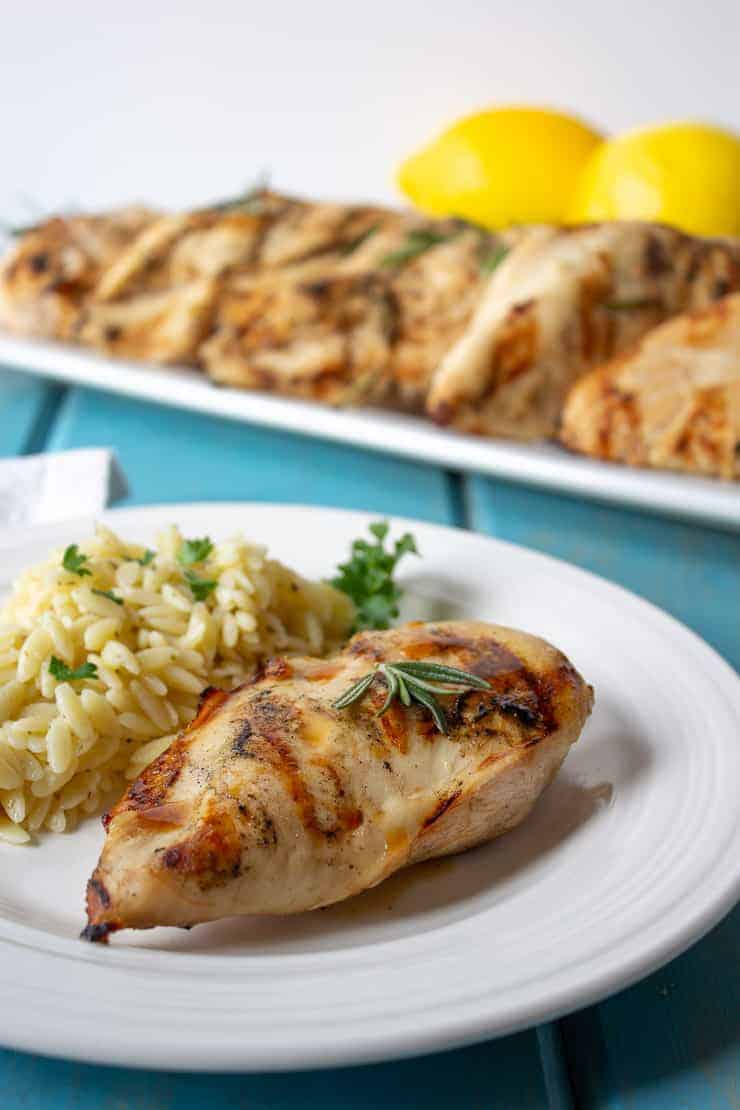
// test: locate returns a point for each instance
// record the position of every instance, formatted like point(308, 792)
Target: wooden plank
point(171, 455)
point(689, 571)
point(27, 407)
point(499, 1076)
point(672, 1039)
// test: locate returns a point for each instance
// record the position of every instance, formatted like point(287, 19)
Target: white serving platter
point(543, 465)
point(629, 856)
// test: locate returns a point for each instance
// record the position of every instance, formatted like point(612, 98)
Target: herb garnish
point(146, 558)
point(64, 673)
point(415, 681)
point(250, 201)
point(74, 562)
point(110, 595)
point(200, 588)
point(353, 244)
point(15, 231)
point(417, 242)
point(631, 306)
point(194, 551)
point(367, 577)
point(491, 261)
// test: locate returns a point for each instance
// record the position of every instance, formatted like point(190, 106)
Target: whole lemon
point(686, 174)
point(502, 166)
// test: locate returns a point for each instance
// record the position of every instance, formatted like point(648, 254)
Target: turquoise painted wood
point(171, 455)
point(484, 1077)
point(691, 572)
point(177, 456)
point(27, 408)
point(669, 1041)
point(674, 1039)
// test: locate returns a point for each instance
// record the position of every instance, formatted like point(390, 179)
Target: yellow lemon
point(503, 166)
point(687, 174)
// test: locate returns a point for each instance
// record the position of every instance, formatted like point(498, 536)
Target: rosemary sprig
point(633, 305)
point(353, 244)
point(492, 259)
point(250, 201)
point(414, 681)
point(417, 242)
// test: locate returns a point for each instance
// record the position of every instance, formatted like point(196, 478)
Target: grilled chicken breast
point(274, 801)
point(673, 402)
point(563, 301)
point(54, 268)
point(360, 318)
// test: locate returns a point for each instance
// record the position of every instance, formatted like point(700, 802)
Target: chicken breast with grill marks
point(274, 801)
point(564, 301)
point(672, 402)
point(53, 270)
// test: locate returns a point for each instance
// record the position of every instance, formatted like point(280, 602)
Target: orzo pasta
point(105, 648)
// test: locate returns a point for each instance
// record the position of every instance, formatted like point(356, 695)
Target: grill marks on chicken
point(273, 801)
point(672, 402)
point(277, 294)
point(358, 304)
point(54, 269)
point(564, 301)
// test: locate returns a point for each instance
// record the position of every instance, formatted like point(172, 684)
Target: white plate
point(541, 464)
point(631, 855)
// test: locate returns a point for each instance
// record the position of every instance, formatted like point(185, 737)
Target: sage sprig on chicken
point(415, 681)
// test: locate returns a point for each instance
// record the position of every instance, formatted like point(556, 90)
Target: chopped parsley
point(74, 562)
point(110, 595)
point(194, 551)
point(64, 673)
point(146, 558)
point(201, 588)
point(367, 577)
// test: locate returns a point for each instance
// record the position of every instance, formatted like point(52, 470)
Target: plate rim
point(455, 1031)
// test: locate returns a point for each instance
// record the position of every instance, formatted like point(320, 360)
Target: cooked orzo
point(106, 647)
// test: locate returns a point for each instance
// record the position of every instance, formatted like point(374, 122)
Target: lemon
point(503, 166)
point(687, 174)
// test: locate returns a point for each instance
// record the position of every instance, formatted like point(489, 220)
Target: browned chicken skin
point(274, 801)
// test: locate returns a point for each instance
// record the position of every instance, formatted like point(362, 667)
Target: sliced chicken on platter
point(53, 269)
point(564, 301)
point(672, 402)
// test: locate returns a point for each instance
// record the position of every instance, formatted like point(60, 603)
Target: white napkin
point(60, 486)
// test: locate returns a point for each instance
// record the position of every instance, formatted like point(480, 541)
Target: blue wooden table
point(671, 1041)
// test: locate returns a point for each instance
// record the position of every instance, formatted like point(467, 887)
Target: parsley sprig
point(415, 681)
point(367, 577)
point(74, 561)
point(64, 673)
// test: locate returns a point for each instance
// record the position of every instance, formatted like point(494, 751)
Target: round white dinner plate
point(631, 854)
